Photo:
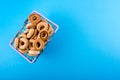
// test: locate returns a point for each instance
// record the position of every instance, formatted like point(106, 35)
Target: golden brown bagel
point(16, 42)
point(30, 33)
point(39, 44)
point(43, 35)
point(50, 30)
point(23, 44)
point(42, 26)
point(33, 53)
point(34, 35)
point(34, 18)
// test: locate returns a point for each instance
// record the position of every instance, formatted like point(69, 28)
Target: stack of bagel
point(34, 38)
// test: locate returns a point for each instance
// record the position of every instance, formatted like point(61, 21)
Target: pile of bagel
point(34, 38)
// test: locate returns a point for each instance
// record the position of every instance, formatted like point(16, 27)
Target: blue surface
point(86, 46)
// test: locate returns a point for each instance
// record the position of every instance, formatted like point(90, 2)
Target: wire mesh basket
point(32, 59)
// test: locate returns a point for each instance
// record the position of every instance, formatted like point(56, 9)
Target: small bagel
point(23, 50)
point(33, 53)
point(42, 26)
point(34, 35)
point(30, 25)
point(16, 42)
point(39, 44)
point(30, 33)
point(34, 18)
point(23, 43)
point(43, 35)
point(22, 35)
point(50, 30)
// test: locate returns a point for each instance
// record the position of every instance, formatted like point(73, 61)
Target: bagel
point(34, 35)
point(39, 44)
point(23, 43)
point(43, 35)
point(42, 26)
point(33, 53)
point(50, 30)
point(30, 33)
point(16, 42)
point(34, 18)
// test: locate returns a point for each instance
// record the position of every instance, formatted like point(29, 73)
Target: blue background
point(86, 46)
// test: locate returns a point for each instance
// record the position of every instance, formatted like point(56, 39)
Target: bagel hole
point(38, 44)
point(22, 43)
point(42, 27)
point(34, 17)
point(43, 34)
